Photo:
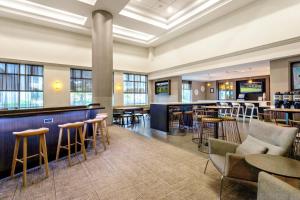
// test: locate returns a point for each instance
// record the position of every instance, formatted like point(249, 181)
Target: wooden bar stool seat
point(41, 133)
point(103, 129)
point(96, 123)
point(78, 126)
point(209, 128)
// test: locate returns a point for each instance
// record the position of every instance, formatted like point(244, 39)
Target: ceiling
point(239, 71)
point(140, 22)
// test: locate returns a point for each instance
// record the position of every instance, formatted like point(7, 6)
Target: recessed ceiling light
point(91, 2)
point(195, 9)
point(41, 10)
point(170, 9)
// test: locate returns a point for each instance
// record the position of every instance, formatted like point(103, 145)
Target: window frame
point(83, 88)
point(189, 89)
point(134, 92)
point(26, 76)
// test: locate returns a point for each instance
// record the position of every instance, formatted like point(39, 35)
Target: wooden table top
point(216, 107)
point(128, 108)
point(277, 165)
point(291, 110)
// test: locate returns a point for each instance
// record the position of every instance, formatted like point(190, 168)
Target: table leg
point(216, 130)
point(288, 116)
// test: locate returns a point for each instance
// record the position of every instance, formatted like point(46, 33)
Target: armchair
point(230, 162)
point(270, 187)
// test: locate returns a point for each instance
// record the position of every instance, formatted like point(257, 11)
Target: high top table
point(288, 112)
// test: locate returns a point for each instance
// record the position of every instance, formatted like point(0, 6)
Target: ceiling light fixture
point(41, 10)
point(178, 18)
point(170, 9)
point(91, 2)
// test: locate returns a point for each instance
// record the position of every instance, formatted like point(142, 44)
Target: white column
point(102, 59)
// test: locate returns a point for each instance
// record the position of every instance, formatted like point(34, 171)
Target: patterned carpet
point(132, 167)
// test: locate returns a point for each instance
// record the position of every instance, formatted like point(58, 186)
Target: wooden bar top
point(36, 111)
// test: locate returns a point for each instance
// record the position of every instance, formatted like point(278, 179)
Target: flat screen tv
point(295, 68)
point(163, 87)
point(254, 87)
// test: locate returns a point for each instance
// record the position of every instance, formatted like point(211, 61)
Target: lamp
point(250, 81)
point(118, 87)
point(208, 84)
point(57, 86)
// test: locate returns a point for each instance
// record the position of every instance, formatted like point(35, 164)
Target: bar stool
point(252, 108)
point(42, 150)
point(189, 115)
point(235, 111)
point(95, 124)
point(209, 127)
point(177, 116)
point(199, 114)
point(225, 111)
point(231, 130)
point(103, 126)
point(78, 130)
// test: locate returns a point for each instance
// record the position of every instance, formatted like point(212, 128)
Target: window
point(21, 86)
point(186, 91)
point(135, 89)
point(81, 87)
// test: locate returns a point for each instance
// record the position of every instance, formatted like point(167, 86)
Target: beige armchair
point(270, 187)
point(229, 158)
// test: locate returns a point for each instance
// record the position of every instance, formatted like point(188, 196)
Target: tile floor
point(139, 164)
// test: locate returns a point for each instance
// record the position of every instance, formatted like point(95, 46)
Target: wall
point(247, 28)
point(53, 98)
point(176, 91)
point(280, 75)
point(59, 50)
point(201, 95)
point(118, 89)
point(33, 43)
point(214, 95)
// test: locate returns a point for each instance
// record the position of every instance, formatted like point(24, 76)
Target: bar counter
point(23, 119)
point(160, 111)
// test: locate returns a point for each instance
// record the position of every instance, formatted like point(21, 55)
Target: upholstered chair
point(270, 187)
point(229, 158)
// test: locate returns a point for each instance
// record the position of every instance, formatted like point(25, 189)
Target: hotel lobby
point(149, 99)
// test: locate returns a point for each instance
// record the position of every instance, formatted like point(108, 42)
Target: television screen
point(296, 76)
point(254, 87)
point(162, 87)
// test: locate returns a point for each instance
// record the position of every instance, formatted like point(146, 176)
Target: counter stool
point(189, 115)
point(226, 111)
point(231, 130)
point(209, 127)
point(95, 124)
point(103, 126)
point(78, 126)
point(176, 116)
point(42, 150)
point(250, 107)
point(199, 114)
point(235, 111)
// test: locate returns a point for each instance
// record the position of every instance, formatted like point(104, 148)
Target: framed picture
point(295, 76)
point(212, 90)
